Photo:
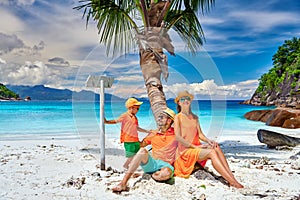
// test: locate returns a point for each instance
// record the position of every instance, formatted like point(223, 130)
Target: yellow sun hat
point(170, 113)
point(183, 94)
point(132, 102)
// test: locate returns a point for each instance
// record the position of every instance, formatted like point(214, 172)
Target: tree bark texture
point(153, 61)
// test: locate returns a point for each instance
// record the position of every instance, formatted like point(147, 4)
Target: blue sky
point(46, 42)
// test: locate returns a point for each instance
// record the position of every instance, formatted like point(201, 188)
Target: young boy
point(129, 129)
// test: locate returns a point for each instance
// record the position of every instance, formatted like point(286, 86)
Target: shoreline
point(67, 169)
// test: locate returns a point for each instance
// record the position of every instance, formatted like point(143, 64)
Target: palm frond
point(115, 24)
point(187, 26)
point(198, 6)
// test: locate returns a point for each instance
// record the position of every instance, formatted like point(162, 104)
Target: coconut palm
point(123, 25)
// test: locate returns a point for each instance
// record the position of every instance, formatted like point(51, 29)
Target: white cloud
point(261, 21)
point(17, 2)
point(25, 2)
point(240, 28)
point(35, 73)
point(10, 23)
point(208, 89)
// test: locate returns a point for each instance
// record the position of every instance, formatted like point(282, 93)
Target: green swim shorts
point(131, 148)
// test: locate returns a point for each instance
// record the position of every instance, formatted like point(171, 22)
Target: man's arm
point(147, 140)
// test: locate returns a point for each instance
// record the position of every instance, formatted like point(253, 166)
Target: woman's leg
point(223, 159)
point(218, 165)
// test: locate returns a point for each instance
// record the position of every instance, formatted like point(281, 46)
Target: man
point(164, 145)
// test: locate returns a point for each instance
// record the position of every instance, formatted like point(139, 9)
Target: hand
point(202, 146)
point(213, 143)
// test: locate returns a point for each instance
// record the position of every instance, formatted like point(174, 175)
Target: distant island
point(42, 93)
point(281, 85)
point(8, 95)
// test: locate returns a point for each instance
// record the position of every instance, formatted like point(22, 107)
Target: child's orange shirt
point(129, 125)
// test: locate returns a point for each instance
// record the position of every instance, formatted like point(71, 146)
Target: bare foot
point(237, 185)
point(120, 188)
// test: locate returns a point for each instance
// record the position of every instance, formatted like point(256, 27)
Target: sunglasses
point(136, 108)
point(161, 117)
point(182, 99)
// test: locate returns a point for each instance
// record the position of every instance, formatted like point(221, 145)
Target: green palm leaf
point(114, 22)
point(187, 26)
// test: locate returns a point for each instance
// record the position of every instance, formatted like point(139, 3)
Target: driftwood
point(273, 139)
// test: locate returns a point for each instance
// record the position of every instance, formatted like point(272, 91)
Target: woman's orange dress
point(187, 157)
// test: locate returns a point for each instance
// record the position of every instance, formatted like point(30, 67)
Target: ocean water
point(67, 119)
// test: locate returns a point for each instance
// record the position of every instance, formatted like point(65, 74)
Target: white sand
point(42, 169)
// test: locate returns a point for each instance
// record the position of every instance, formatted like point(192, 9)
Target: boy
point(129, 129)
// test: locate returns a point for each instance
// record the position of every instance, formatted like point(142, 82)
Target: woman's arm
point(200, 133)
point(204, 138)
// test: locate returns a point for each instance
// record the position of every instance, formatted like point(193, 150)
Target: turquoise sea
point(67, 119)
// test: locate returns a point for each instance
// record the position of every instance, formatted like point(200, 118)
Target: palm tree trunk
point(151, 70)
point(153, 61)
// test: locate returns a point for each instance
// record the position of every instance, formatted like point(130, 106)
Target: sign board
point(95, 81)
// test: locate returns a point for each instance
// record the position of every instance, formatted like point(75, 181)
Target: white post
point(101, 82)
point(102, 128)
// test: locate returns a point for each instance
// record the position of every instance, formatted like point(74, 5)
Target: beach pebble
point(191, 190)
point(89, 157)
point(296, 166)
point(261, 161)
point(97, 174)
point(245, 163)
point(201, 197)
point(294, 157)
point(203, 175)
point(75, 182)
point(259, 167)
point(233, 160)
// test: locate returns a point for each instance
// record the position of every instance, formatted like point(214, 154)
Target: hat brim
point(169, 115)
point(137, 103)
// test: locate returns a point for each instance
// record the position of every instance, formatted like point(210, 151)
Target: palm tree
point(124, 24)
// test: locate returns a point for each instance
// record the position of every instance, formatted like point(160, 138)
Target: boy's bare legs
point(140, 157)
point(126, 164)
point(218, 165)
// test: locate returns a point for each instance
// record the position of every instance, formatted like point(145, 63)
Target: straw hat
point(132, 102)
point(183, 94)
point(170, 113)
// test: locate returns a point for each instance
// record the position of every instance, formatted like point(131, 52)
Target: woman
point(188, 134)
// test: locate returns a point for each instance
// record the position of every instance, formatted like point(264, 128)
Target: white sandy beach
point(60, 169)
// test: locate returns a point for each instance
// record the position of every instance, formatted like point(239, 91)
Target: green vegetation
point(6, 93)
point(285, 74)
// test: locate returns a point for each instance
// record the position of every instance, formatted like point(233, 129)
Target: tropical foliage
point(285, 74)
point(123, 25)
point(6, 93)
